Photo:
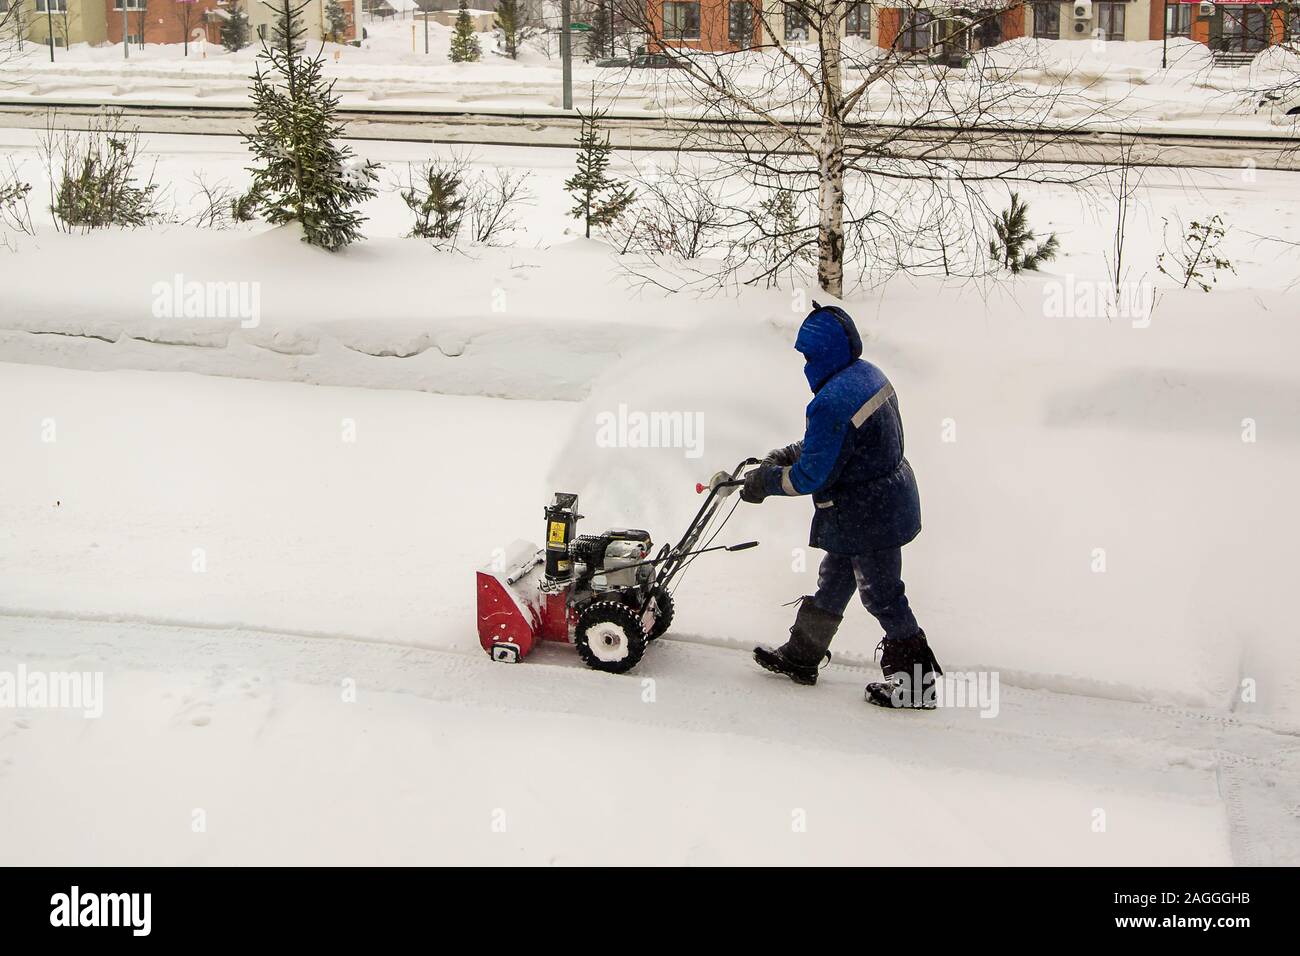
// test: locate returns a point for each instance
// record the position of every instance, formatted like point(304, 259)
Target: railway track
point(648, 132)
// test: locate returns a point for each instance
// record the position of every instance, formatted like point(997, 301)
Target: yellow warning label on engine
point(556, 534)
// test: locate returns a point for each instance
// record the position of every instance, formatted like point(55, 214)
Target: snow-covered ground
point(1122, 84)
point(361, 723)
point(240, 527)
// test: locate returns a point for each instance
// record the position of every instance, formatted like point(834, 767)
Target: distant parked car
point(1281, 106)
point(644, 61)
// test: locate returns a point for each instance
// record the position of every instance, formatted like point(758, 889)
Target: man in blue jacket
point(866, 507)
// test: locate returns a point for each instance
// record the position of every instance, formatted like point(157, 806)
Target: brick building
point(160, 21)
point(728, 25)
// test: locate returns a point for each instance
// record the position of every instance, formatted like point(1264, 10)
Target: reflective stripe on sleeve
point(872, 405)
point(787, 486)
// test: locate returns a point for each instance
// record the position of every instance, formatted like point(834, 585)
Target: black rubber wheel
point(609, 637)
point(663, 615)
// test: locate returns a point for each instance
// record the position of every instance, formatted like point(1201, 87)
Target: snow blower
point(601, 593)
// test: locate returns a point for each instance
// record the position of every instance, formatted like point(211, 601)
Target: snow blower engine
point(602, 593)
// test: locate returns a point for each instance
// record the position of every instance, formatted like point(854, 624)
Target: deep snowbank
point(388, 314)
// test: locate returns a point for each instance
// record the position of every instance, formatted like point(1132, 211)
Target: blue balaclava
point(829, 342)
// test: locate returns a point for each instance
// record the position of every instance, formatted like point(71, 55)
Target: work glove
point(784, 457)
point(755, 488)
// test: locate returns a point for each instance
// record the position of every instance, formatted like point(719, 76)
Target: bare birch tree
point(886, 144)
point(12, 33)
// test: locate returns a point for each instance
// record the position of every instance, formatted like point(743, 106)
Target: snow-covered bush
point(93, 177)
point(437, 198)
point(493, 203)
point(778, 237)
point(15, 213)
point(1195, 256)
point(450, 203)
point(221, 206)
point(676, 213)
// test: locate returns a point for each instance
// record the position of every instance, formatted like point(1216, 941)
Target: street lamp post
point(566, 62)
point(188, 6)
point(1164, 35)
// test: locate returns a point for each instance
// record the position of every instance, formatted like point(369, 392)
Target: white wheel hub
point(608, 642)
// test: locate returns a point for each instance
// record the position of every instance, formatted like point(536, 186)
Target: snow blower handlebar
point(725, 480)
point(674, 559)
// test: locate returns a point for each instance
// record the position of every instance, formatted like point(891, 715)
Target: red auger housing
point(602, 593)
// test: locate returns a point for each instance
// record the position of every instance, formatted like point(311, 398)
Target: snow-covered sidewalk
point(228, 746)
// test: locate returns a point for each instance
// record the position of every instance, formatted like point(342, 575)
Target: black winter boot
point(910, 669)
point(801, 656)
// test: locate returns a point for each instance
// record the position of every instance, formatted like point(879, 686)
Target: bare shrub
point(92, 175)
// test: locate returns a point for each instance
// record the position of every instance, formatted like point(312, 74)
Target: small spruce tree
point(464, 44)
point(234, 31)
point(599, 199)
point(301, 173)
point(1197, 259)
point(437, 201)
point(510, 16)
point(781, 242)
point(600, 36)
point(1013, 246)
point(336, 22)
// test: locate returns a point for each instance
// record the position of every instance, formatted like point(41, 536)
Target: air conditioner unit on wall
point(1082, 9)
point(1206, 9)
point(1081, 27)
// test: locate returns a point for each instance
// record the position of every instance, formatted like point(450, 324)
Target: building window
point(130, 4)
point(857, 22)
point(915, 34)
point(1047, 21)
point(740, 22)
point(681, 20)
point(1110, 20)
point(1178, 20)
point(57, 6)
point(1245, 29)
point(796, 24)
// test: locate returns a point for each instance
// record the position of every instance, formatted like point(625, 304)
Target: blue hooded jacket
point(851, 457)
